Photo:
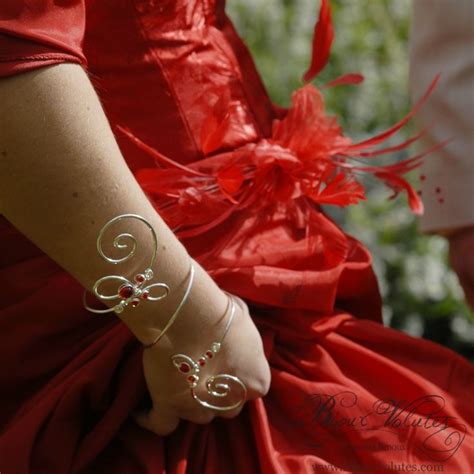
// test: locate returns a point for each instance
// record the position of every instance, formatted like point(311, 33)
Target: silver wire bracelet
point(217, 385)
point(128, 292)
point(175, 314)
point(133, 293)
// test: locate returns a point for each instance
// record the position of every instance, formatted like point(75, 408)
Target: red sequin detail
point(438, 190)
point(422, 177)
point(202, 361)
point(135, 303)
point(209, 354)
point(441, 200)
point(145, 295)
point(139, 278)
point(126, 291)
point(191, 378)
point(184, 367)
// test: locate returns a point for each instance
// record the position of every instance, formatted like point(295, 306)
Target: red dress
point(176, 81)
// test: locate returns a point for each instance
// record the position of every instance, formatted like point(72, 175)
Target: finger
point(159, 421)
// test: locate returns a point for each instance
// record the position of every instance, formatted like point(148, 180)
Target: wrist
point(203, 314)
point(198, 318)
point(149, 317)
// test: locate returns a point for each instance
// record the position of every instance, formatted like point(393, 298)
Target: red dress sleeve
point(37, 33)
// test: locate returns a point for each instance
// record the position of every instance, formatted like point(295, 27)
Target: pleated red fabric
point(183, 96)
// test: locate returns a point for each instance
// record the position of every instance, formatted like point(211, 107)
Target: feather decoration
point(344, 80)
point(307, 159)
point(323, 37)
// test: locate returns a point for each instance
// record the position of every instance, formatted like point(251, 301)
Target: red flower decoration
point(307, 157)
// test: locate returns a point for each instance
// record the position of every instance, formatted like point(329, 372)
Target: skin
point(62, 177)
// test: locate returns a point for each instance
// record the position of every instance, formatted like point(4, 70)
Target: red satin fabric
point(69, 381)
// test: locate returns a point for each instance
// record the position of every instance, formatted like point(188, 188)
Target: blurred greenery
point(421, 293)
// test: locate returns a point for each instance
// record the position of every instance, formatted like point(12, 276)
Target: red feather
point(159, 158)
point(307, 156)
point(392, 130)
point(322, 41)
point(341, 191)
point(391, 149)
point(346, 79)
point(230, 180)
point(397, 183)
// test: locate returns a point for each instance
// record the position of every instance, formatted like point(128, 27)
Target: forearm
point(62, 177)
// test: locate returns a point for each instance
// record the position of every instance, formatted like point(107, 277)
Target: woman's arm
point(62, 177)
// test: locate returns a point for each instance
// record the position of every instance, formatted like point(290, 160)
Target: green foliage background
point(421, 293)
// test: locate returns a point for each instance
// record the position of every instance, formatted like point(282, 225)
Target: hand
point(241, 355)
point(461, 256)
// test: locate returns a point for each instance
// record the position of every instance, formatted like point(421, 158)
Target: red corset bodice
point(164, 76)
point(176, 74)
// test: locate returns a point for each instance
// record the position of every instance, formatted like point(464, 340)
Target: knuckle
point(266, 384)
point(263, 381)
point(259, 388)
point(263, 389)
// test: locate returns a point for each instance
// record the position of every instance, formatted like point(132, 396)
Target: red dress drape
point(346, 391)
